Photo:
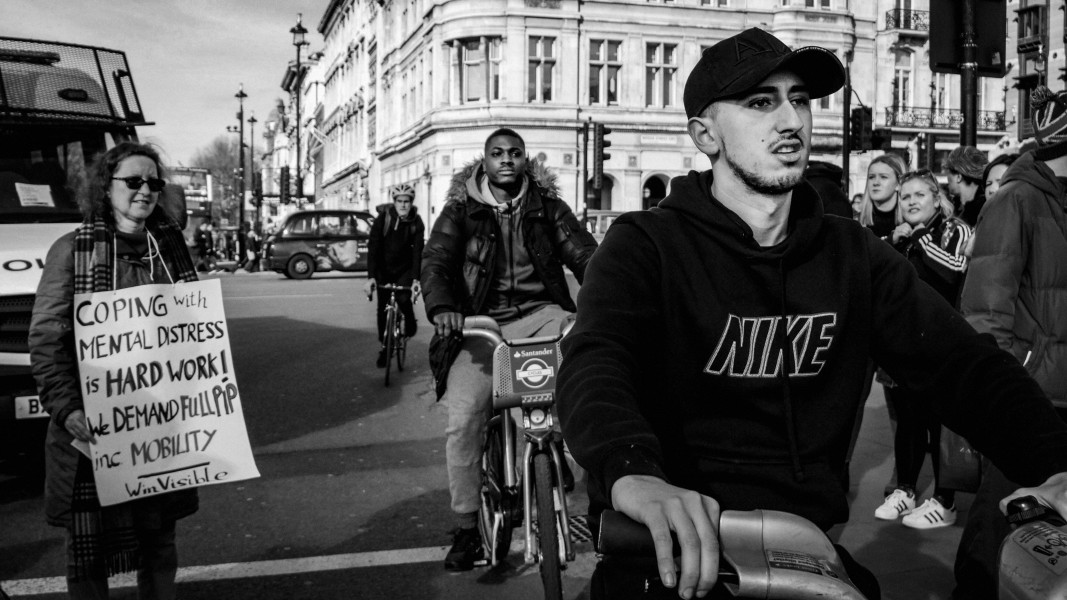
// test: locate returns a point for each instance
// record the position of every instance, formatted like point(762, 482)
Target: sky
point(187, 57)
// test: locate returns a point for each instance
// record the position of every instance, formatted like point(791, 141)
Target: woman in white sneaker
point(934, 242)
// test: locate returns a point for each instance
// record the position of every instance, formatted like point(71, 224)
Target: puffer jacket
point(55, 368)
point(459, 258)
point(1016, 288)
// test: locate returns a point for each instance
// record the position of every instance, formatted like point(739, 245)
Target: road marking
point(263, 568)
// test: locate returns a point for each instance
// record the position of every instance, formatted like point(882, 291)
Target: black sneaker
point(466, 549)
point(381, 359)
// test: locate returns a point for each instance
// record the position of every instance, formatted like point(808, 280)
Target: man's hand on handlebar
point(447, 322)
point(1052, 493)
point(693, 517)
point(416, 288)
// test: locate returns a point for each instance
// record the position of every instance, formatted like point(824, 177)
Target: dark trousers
point(155, 577)
point(917, 432)
point(978, 556)
point(403, 300)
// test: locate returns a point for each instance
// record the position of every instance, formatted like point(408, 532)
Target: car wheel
point(300, 267)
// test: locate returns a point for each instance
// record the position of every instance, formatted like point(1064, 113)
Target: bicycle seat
point(770, 554)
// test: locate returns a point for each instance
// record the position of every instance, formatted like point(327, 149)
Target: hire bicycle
point(765, 554)
point(524, 376)
point(395, 341)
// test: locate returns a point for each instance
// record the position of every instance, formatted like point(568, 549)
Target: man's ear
point(704, 135)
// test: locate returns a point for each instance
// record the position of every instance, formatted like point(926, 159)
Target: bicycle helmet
point(404, 189)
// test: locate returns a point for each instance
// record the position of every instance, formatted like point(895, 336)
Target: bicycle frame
point(537, 430)
point(394, 340)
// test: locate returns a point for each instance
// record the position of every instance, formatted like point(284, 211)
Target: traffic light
point(860, 123)
point(257, 187)
point(946, 25)
point(283, 186)
point(599, 156)
point(881, 139)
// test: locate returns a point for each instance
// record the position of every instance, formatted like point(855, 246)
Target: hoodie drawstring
point(787, 366)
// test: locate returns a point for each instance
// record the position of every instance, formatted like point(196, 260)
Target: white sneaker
point(931, 515)
point(900, 502)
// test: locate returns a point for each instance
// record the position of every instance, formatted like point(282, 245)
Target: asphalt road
point(353, 497)
point(352, 472)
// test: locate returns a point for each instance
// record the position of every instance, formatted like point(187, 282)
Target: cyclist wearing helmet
point(394, 255)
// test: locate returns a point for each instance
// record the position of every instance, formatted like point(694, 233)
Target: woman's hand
point(902, 231)
point(693, 517)
point(78, 427)
point(368, 289)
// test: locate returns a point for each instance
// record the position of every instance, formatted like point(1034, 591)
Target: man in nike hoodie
point(722, 338)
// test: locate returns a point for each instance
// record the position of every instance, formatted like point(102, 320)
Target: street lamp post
point(252, 166)
point(299, 39)
point(241, 95)
point(236, 173)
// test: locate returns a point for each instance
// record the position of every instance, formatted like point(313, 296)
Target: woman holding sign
point(125, 240)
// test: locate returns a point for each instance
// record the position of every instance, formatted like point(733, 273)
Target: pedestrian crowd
point(725, 341)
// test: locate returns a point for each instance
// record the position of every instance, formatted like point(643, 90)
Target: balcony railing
point(925, 118)
point(905, 18)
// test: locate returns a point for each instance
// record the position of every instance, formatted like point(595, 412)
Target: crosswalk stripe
point(291, 566)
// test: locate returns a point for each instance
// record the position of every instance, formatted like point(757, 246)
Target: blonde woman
point(879, 208)
point(933, 241)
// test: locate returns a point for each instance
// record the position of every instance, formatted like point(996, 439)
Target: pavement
point(910, 564)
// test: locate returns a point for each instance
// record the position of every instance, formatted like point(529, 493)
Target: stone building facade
point(406, 91)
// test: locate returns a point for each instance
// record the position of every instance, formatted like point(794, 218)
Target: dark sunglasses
point(135, 182)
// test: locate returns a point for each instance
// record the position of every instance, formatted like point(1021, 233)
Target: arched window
point(654, 190)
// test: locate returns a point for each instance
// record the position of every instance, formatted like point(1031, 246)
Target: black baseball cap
point(738, 63)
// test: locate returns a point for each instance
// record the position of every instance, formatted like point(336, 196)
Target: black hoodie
point(394, 249)
point(675, 366)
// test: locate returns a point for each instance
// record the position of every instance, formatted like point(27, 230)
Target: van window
point(43, 174)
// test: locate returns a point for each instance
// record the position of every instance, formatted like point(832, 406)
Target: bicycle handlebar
point(483, 327)
point(747, 541)
point(392, 287)
point(487, 328)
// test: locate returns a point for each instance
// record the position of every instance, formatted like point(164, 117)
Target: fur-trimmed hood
point(545, 178)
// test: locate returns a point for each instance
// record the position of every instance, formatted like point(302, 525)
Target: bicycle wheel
point(390, 342)
point(547, 531)
point(495, 513)
point(401, 342)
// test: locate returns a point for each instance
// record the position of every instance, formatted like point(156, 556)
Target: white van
point(61, 105)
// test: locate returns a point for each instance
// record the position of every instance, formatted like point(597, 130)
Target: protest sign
point(160, 392)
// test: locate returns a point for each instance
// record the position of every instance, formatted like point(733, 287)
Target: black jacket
point(936, 252)
point(826, 179)
point(394, 250)
point(735, 370)
point(460, 255)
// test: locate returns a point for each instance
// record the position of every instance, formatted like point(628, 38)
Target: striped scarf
point(94, 253)
point(104, 539)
